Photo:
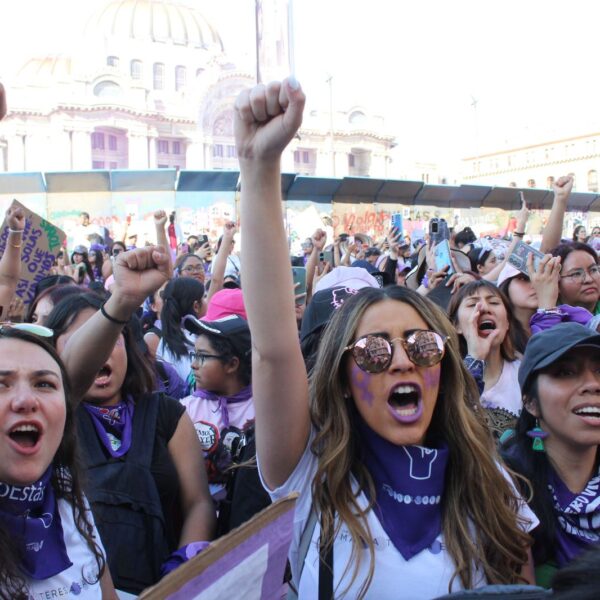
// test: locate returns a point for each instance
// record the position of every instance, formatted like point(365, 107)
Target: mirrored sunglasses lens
point(35, 329)
point(425, 348)
point(372, 353)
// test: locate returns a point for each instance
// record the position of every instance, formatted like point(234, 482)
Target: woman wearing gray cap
point(555, 445)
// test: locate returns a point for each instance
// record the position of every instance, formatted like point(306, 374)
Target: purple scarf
point(409, 485)
point(224, 401)
point(30, 513)
point(578, 517)
point(113, 425)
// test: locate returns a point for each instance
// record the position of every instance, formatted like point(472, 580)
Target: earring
point(538, 436)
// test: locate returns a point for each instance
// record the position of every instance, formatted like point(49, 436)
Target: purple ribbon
point(113, 425)
point(224, 401)
point(578, 516)
point(30, 514)
point(409, 486)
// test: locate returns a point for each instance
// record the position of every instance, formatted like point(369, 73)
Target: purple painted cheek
point(432, 377)
point(361, 381)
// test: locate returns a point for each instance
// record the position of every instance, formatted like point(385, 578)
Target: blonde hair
point(477, 497)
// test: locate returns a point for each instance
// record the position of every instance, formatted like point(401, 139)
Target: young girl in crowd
point(48, 541)
point(181, 296)
point(383, 446)
point(146, 480)
point(555, 445)
point(44, 302)
point(579, 234)
point(221, 406)
point(483, 319)
point(96, 261)
point(83, 272)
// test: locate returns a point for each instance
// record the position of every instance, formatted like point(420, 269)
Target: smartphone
point(351, 239)
point(299, 276)
point(202, 239)
point(185, 248)
point(443, 257)
point(397, 222)
point(438, 230)
point(328, 256)
point(520, 254)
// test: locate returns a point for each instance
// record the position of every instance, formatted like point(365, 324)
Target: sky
point(531, 65)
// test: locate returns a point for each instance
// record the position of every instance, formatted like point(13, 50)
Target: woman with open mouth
point(483, 319)
point(48, 540)
point(146, 479)
point(396, 471)
point(555, 445)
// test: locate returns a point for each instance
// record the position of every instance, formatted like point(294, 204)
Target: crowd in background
point(440, 422)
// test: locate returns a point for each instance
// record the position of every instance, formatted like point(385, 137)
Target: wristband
point(111, 319)
point(519, 234)
point(15, 230)
point(550, 311)
point(16, 245)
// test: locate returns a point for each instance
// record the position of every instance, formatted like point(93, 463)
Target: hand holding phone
point(520, 254)
point(299, 276)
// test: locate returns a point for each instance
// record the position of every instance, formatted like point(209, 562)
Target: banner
point(249, 562)
point(42, 241)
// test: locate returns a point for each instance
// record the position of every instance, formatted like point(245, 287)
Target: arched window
point(180, 75)
point(112, 61)
point(135, 69)
point(158, 76)
point(107, 89)
point(592, 181)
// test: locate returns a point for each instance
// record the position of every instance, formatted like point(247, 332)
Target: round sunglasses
point(373, 353)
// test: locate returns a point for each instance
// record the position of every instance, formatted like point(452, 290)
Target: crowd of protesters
point(441, 425)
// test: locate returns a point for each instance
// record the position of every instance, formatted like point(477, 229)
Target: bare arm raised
point(266, 119)
point(10, 263)
point(553, 230)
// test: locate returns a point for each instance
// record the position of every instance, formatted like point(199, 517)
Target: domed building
point(150, 85)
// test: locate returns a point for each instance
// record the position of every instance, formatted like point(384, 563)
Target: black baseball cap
point(232, 328)
point(548, 346)
point(321, 308)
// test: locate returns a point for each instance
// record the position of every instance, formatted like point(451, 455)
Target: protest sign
point(249, 561)
point(42, 241)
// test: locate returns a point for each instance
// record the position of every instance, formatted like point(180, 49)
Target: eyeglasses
point(578, 275)
point(201, 357)
point(192, 269)
point(373, 353)
point(38, 330)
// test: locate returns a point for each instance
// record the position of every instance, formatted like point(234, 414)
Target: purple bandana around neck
point(578, 517)
point(30, 513)
point(243, 395)
point(409, 485)
point(113, 425)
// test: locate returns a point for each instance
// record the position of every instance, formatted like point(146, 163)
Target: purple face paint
point(431, 377)
point(361, 381)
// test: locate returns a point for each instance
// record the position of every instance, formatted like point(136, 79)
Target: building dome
point(166, 21)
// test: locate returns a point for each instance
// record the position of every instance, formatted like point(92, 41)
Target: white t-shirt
point(506, 392)
point(72, 582)
point(425, 575)
point(183, 364)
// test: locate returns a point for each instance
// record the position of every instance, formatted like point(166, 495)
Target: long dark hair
point(563, 250)
point(139, 378)
point(65, 480)
point(520, 457)
point(179, 296)
point(88, 267)
point(519, 335)
point(55, 294)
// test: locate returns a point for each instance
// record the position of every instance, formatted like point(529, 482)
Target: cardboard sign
point(42, 241)
point(249, 562)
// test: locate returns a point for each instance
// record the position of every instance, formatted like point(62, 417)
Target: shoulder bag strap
point(303, 551)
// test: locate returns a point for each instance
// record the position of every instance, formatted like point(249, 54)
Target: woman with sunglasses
point(146, 479)
point(579, 283)
point(555, 443)
point(382, 443)
point(48, 540)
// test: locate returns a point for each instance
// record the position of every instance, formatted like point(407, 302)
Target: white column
point(137, 150)
point(195, 156)
point(16, 153)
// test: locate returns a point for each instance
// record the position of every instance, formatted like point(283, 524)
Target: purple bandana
point(30, 513)
point(113, 425)
point(578, 518)
point(409, 484)
point(241, 396)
